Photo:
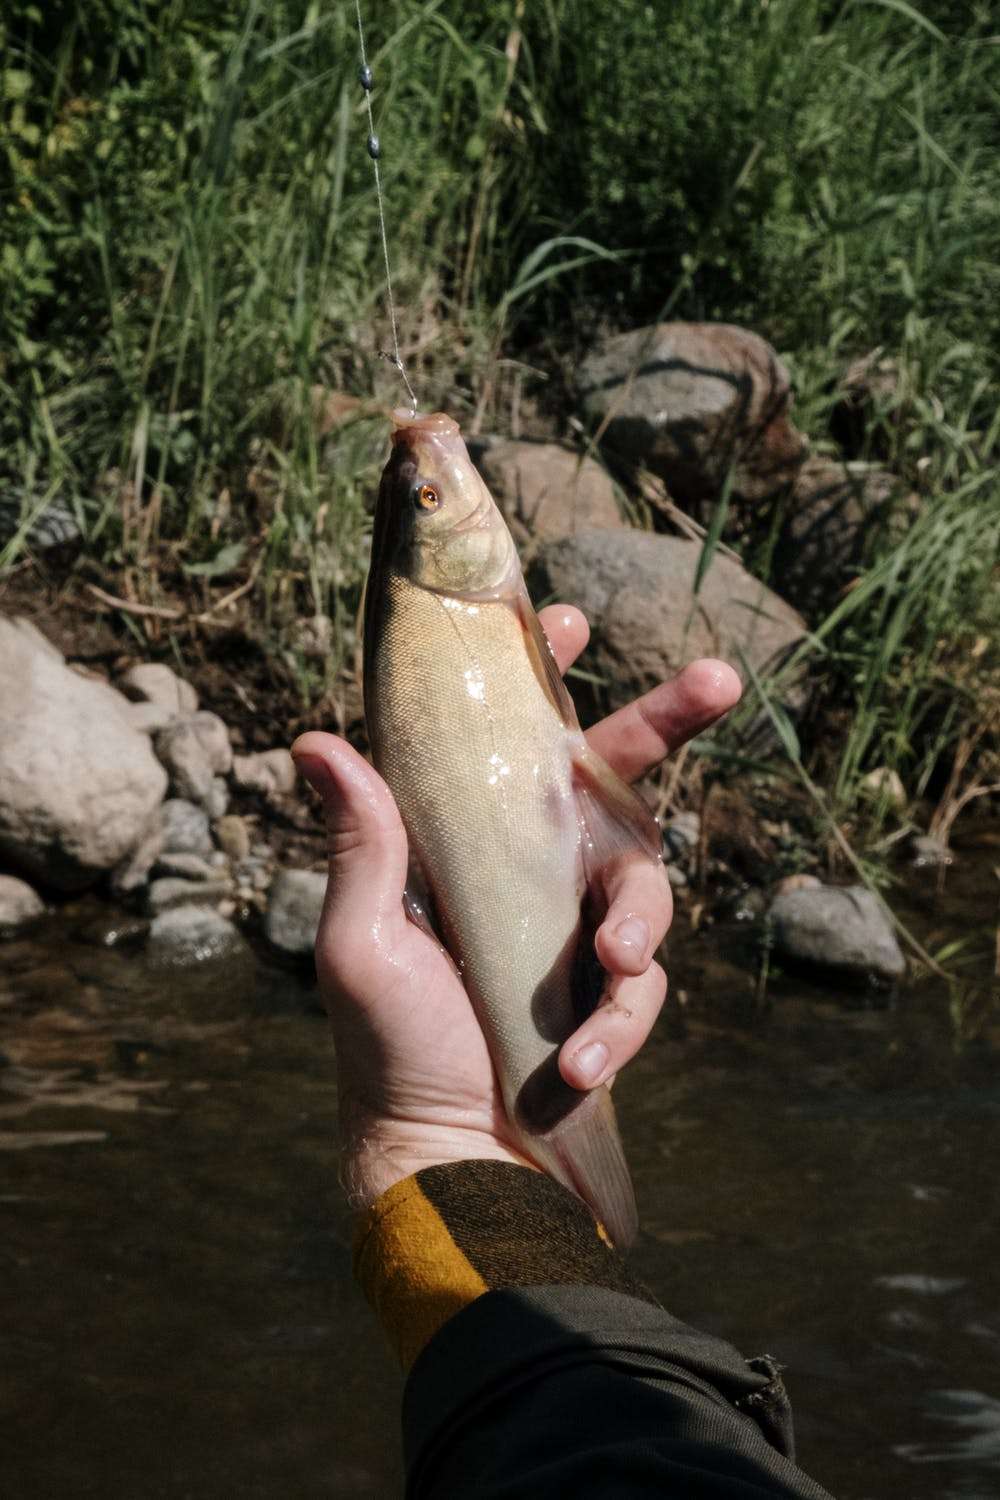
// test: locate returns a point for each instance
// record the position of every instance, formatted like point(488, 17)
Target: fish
point(510, 816)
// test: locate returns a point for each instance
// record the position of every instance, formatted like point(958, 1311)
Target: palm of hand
point(415, 1079)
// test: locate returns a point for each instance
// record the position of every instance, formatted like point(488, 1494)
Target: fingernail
point(591, 1060)
point(633, 933)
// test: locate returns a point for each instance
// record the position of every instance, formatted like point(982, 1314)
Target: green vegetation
point(188, 247)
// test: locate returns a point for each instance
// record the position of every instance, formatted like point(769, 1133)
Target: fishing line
point(375, 151)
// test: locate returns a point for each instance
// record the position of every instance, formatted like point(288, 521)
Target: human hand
point(416, 1084)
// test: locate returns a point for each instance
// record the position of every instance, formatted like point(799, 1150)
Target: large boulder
point(843, 929)
point(637, 590)
point(545, 490)
point(79, 785)
point(690, 400)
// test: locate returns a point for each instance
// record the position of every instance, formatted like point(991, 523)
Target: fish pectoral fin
point(418, 904)
point(615, 822)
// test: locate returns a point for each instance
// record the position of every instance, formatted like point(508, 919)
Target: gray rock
point(195, 750)
point(155, 682)
point(133, 871)
point(838, 928)
point(185, 828)
point(190, 935)
point(185, 867)
point(681, 834)
point(689, 400)
point(269, 771)
point(53, 526)
point(636, 589)
point(547, 491)
point(233, 836)
point(78, 784)
point(884, 785)
point(18, 904)
point(150, 718)
point(294, 906)
point(217, 801)
point(799, 882)
point(170, 891)
point(928, 853)
point(676, 876)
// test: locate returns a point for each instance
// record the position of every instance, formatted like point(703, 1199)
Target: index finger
point(636, 738)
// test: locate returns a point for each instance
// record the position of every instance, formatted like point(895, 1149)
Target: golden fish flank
point(510, 816)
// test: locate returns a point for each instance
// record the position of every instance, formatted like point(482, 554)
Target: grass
point(188, 248)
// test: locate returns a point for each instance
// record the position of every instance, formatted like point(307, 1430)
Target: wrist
point(388, 1151)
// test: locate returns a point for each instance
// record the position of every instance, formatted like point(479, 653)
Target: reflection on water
point(816, 1174)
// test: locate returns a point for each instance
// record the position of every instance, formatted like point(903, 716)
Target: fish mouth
point(434, 424)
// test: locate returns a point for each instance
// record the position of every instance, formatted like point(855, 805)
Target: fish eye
point(425, 497)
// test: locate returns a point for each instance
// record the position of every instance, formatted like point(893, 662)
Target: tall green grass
point(188, 247)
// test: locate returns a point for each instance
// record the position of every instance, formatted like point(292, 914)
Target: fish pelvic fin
point(584, 1152)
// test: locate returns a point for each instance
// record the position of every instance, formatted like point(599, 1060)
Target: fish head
point(438, 522)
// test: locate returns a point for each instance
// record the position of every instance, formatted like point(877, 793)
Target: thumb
point(367, 847)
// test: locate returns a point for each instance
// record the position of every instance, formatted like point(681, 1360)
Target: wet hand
point(415, 1079)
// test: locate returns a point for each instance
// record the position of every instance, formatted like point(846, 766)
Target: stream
point(816, 1171)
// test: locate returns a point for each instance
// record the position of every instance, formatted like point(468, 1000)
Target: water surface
point(817, 1173)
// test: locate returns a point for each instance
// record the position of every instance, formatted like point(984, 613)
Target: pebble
point(155, 682)
point(192, 934)
point(19, 903)
point(269, 771)
point(233, 836)
point(217, 801)
point(681, 834)
point(884, 784)
point(134, 869)
point(186, 866)
point(677, 877)
point(928, 853)
point(185, 828)
point(170, 891)
point(293, 910)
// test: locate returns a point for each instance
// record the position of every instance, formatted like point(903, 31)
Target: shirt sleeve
point(539, 1367)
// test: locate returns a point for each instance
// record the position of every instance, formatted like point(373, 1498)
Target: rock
point(547, 491)
point(676, 876)
point(155, 682)
point(838, 928)
point(800, 882)
point(150, 718)
point(294, 906)
point(681, 834)
point(171, 891)
point(689, 400)
point(185, 867)
point(78, 784)
point(313, 636)
point(194, 750)
point(928, 853)
point(185, 828)
point(269, 771)
point(884, 785)
point(18, 904)
point(233, 836)
point(217, 801)
point(636, 589)
point(871, 397)
point(133, 871)
point(114, 931)
point(192, 934)
point(53, 526)
point(826, 520)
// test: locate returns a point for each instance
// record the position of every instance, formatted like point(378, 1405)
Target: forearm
point(536, 1362)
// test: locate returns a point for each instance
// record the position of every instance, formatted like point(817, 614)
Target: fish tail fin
point(584, 1152)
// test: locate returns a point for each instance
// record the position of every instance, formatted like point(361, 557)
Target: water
point(817, 1174)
